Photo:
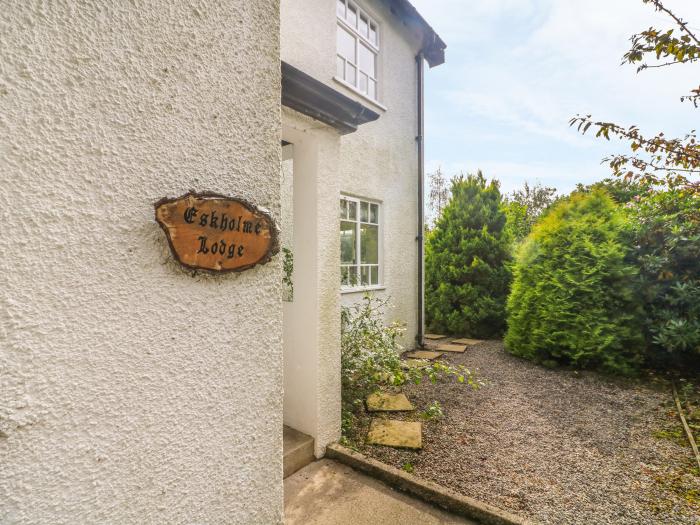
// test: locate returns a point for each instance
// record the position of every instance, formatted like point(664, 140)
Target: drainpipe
point(420, 340)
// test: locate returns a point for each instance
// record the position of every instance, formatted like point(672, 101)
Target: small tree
point(439, 193)
point(573, 299)
point(524, 206)
point(466, 260)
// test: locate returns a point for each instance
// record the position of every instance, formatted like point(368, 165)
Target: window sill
point(362, 289)
point(359, 93)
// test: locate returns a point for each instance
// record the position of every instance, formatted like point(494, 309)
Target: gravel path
point(556, 446)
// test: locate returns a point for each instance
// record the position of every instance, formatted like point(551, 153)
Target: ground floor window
point(359, 243)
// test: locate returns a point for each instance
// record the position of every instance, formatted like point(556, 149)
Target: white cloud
point(518, 70)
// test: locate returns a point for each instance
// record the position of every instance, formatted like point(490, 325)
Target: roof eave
point(432, 46)
point(303, 93)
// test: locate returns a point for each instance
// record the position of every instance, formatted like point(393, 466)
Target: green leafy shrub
point(621, 191)
point(288, 269)
point(466, 270)
point(370, 359)
point(433, 412)
point(573, 298)
point(667, 251)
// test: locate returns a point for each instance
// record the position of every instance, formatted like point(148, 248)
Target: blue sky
point(518, 70)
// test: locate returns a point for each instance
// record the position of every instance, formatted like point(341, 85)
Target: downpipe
point(420, 76)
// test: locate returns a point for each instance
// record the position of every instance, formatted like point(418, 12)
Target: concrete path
point(328, 493)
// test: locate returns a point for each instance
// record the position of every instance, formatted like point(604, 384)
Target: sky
point(516, 71)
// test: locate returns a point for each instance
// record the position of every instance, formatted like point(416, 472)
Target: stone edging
point(424, 489)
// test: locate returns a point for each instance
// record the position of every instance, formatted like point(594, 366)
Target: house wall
point(380, 160)
point(133, 391)
point(312, 319)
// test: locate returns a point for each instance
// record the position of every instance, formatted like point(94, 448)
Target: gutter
point(311, 97)
point(420, 76)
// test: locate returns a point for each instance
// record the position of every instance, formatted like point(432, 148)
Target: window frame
point(357, 263)
point(360, 40)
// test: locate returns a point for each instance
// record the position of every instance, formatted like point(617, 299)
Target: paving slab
point(451, 348)
point(465, 341)
point(423, 354)
point(394, 433)
point(330, 493)
point(386, 402)
point(434, 336)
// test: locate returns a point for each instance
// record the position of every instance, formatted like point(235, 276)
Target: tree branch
point(661, 7)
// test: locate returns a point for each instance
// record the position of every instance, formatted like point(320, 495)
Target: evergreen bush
point(573, 298)
point(466, 262)
point(667, 252)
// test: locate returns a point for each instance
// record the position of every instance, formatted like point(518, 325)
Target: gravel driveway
point(556, 446)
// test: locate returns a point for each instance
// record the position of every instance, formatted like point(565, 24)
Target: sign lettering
point(212, 232)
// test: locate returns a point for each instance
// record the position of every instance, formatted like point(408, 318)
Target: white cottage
point(132, 389)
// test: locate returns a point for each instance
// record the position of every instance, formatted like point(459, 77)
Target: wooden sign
point(212, 232)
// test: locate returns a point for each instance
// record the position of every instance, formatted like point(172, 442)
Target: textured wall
point(132, 391)
point(380, 160)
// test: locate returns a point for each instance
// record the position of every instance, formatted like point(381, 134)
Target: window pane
point(343, 209)
point(369, 244)
point(364, 26)
point(352, 15)
point(340, 68)
point(341, 8)
point(348, 275)
point(367, 59)
point(374, 213)
point(363, 82)
point(364, 211)
point(346, 45)
point(374, 275)
point(373, 34)
point(352, 275)
point(350, 73)
point(372, 89)
point(347, 242)
point(364, 275)
point(352, 210)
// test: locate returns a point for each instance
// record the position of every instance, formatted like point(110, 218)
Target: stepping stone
point(467, 341)
point(385, 402)
point(451, 348)
point(423, 354)
point(434, 336)
point(397, 434)
point(414, 363)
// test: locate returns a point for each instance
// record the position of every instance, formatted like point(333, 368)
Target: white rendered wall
point(312, 320)
point(132, 391)
point(380, 160)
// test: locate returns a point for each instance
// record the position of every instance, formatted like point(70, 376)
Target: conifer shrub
point(573, 299)
point(466, 262)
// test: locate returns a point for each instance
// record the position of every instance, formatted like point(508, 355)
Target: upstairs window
point(359, 243)
point(358, 46)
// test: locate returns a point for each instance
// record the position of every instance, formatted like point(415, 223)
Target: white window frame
point(360, 40)
point(358, 254)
